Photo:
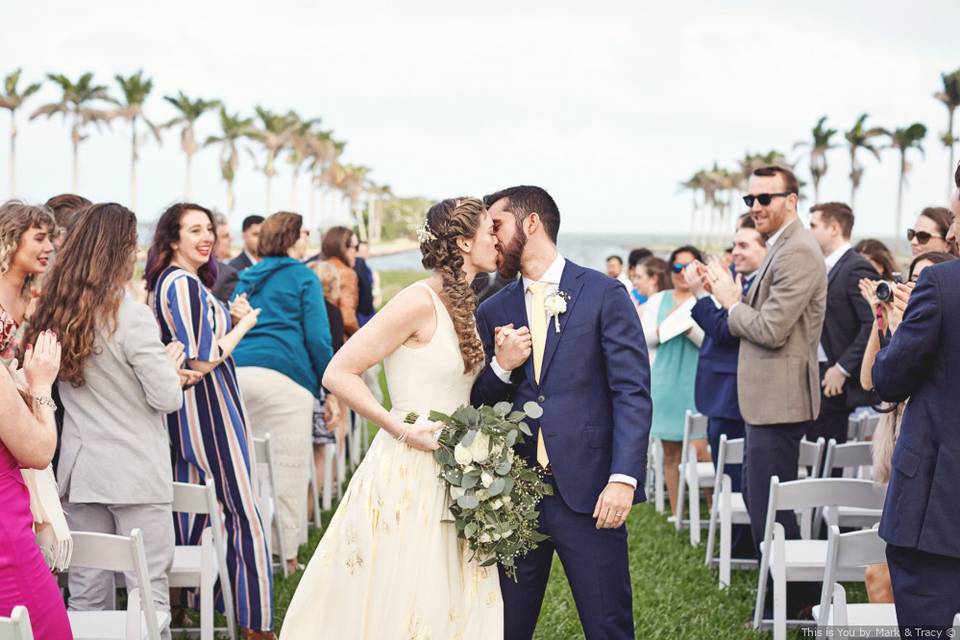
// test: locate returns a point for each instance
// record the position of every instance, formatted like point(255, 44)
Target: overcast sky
point(609, 105)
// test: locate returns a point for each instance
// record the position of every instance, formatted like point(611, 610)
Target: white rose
point(555, 305)
point(462, 455)
point(456, 492)
point(484, 537)
point(486, 479)
point(481, 495)
point(496, 504)
point(479, 448)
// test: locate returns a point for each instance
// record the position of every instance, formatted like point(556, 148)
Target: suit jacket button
point(540, 398)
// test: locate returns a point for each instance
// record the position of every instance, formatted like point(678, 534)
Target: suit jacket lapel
point(517, 314)
point(570, 283)
point(837, 267)
point(755, 287)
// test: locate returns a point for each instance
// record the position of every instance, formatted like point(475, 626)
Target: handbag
point(49, 522)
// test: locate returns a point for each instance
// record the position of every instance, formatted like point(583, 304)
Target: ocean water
point(586, 249)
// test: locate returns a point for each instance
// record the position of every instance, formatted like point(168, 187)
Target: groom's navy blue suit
point(595, 393)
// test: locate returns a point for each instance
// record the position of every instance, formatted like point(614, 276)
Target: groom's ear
point(531, 223)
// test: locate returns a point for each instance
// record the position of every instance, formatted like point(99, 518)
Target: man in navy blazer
point(593, 386)
point(716, 384)
point(920, 519)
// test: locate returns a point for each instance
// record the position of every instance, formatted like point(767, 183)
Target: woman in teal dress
point(673, 368)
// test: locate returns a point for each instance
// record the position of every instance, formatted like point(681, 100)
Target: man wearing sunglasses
point(779, 324)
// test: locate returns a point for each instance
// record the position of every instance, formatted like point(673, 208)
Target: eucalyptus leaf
point(525, 429)
point(470, 530)
point(504, 468)
point(511, 438)
point(502, 409)
point(468, 502)
point(468, 438)
point(469, 481)
point(496, 488)
point(533, 410)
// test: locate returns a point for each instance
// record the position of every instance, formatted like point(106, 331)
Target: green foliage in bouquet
point(494, 493)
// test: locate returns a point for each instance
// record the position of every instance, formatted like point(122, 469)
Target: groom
point(591, 377)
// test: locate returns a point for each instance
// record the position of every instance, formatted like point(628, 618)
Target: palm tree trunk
point(269, 186)
point(13, 154)
point(134, 156)
point(187, 183)
point(853, 172)
point(230, 199)
point(76, 165)
point(294, 201)
point(897, 240)
point(313, 204)
point(816, 191)
point(952, 167)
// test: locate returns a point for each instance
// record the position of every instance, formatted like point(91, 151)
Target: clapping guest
point(651, 276)
point(340, 249)
point(117, 382)
point(282, 359)
point(920, 519)
point(210, 434)
point(929, 232)
point(674, 370)
point(27, 440)
point(879, 257)
point(26, 247)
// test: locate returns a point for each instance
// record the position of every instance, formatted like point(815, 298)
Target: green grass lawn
point(674, 595)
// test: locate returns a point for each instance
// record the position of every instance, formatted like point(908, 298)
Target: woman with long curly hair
point(26, 245)
point(117, 382)
point(210, 435)
point(387, 562)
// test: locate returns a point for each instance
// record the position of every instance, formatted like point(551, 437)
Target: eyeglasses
point(353, 245)
point(678, 267)
point(764, 198)
point(922, 236)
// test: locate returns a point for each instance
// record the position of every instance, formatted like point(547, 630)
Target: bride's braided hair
point(447, 221)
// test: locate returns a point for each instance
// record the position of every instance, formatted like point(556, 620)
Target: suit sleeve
point(795, 280)
point(226, 283)
point(488, 387)
point(907, 360)
point(628, 375)
point(713, 320)
point(851, 359)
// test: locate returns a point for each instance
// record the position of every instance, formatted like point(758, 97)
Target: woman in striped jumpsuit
point(209, 436)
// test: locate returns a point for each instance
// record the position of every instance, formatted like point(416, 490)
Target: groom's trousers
point(597, 567)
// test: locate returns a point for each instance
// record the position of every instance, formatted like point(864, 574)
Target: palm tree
point(819, 144)
point(77, 104)
point(860, 137)
point(696, 185)
point(904, 139)
point(298, 153)
point(274, 133)
point(950, 97)
point(190, 112)
point(233, 128)
point(354, 182)
point(135, 89)
point(11, 99)
point(322, 151)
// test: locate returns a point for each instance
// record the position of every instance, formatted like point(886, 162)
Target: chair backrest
point(848, 550)
point(853, 427)
point(119, 553)
point(846, 456)
point(694, 428)
point(17, 626)
point(870, 423)
point(731, 452)
point(190, 498)
point(824, 492)
point(811, 455)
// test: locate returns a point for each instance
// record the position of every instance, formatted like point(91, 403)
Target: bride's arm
point(409, 314)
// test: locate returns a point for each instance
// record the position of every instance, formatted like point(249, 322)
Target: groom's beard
point(511, 257)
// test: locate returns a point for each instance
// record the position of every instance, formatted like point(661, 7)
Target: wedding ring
point(619, 514)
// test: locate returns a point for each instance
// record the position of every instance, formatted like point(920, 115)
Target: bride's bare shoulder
point(414, 300)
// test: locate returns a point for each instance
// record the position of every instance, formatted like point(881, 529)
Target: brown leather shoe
point(252, 634)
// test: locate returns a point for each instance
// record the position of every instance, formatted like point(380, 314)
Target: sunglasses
point(922, 236)
point(678, 267)
point(764, 198)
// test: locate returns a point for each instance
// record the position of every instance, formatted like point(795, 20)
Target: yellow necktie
point(538, 332)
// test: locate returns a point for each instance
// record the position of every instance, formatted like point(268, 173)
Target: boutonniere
point(555, 304)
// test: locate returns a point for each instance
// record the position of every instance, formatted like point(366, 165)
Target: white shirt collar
point(552, 275)
point(834, 257)
point(772, 240)
point(253, 260)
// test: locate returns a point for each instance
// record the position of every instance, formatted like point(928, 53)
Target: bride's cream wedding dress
point(388, 566)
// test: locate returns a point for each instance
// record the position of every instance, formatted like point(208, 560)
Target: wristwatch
point(45, 401)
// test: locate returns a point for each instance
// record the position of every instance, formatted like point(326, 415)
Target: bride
point(388, 566)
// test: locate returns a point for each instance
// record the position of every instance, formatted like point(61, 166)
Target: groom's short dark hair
point(525, 200)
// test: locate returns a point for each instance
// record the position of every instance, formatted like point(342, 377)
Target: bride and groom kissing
point(388, 566)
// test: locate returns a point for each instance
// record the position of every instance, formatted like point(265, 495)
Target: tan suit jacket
point(778, 377)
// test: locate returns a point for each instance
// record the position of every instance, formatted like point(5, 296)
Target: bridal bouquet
point(494, 493)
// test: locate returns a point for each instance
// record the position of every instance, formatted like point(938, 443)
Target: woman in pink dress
point(27, 440)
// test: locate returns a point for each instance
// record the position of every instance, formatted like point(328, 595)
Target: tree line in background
point(302, 143)
point(717, 190)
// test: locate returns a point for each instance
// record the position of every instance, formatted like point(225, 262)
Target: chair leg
point(726, 537)
point(711, 529)
point(694, 509)
point(779, 584)
point(314, 492)
point(761, 588)
point(681, 494)
point(206, 591)
point(329, 459)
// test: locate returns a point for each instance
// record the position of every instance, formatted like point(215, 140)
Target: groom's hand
point(613, 505)
point(513, 346)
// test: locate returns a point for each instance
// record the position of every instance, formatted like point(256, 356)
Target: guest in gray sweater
point(117, 383)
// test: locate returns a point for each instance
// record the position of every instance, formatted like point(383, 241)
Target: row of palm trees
point(716, 191)
point(301, 142)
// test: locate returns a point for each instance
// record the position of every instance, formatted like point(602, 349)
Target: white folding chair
point(199, 566)
point(856, 460)
point(854, 427)
point(17, 626)
point(693, 475)
point(120, 554)
point(851, 551)
point(803, 560)
point(655, 474)
point(869, 425)
point(353, 440)
point(267, 500)
point(728, 509)
point(313, 493)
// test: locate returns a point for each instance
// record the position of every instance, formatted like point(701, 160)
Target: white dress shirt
point(552, 277)
point(831, 261)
